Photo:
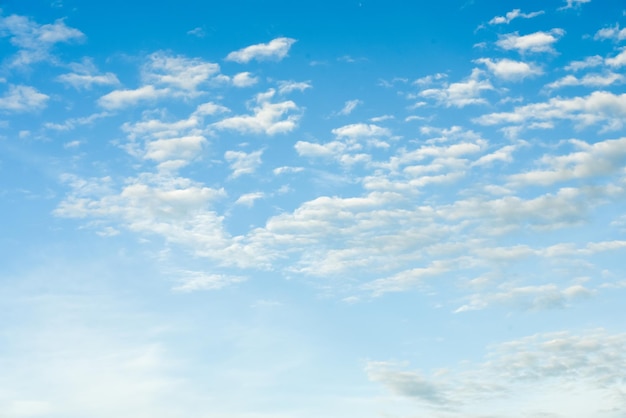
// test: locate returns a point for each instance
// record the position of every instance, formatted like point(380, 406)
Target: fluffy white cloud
point(462, 93)
point(598, 107)
point(592, 61)
point(360, 130)
point(268, 118)
point(243, 163)
point(508, 69)
point(33, 40)
point(592, 160)
point(513, 14)
point(118, 99)
point(185, 148)
point(617, 61)
point(178, 71)
point(327, 150)
point(276, 49)
point(244, 79)
point(611, 32)
point(534, 42)
point(22, 99)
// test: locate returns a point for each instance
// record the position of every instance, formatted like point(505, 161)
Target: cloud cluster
point(551, 365)
point(34, 41)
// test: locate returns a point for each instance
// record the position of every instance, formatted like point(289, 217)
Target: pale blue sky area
point(312, 209)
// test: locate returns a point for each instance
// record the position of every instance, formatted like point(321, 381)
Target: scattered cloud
point(543, 366)
point(267, 118)
point(613, 33)
point(534, 42)
point(589, 62)
point(590, 160)
point(286, 87)
point(275, 50)
point(119, 99)
point(588, 80)
point(35, 41)
point(573, 4)
point(349, 106)
point(248, 199)
point(244, 79)
point(87, 81)
point(510, 70)
point(598, 107)
point(243, 163)
point(193, 281)
point(461, 94)
point(514, 14)
point(20, 98)
point(178, 72)
point(197, 32)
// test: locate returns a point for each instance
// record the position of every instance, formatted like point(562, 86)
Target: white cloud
point(588, 80)
point(178, 71)
point(513, 14)
point(602, 158)
point(617, 61)
point(286, 87)
point(72, 123)
point(23, 99)
point(430, 79)
point(86, 81)
point(532, 298)
point(35, 41)
point(573, 3)
point(503, 154)
point(508, 69)
point(118, 99)
point(611, 32)
point(349, 106)
point(560, 374)
point(328, 150)
point(193, 281)
point(248, 199)
point(598, 107)
point(268, 118)
point(243, 163)
point(360, 130)
point(381, 118)
point(407, 279)
point(210, 108)
point(461, 94)
point(592, 61)
point(276, 49)
point(534, 42)
point(197, 32)
point(174, 208)
point(244, 79)
point(287, 169)
point(184, 148)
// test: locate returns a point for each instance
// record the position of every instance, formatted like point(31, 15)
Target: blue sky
point(358, 208)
